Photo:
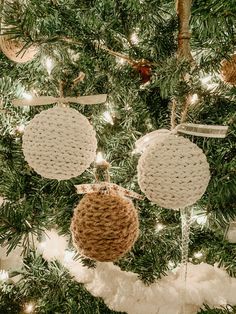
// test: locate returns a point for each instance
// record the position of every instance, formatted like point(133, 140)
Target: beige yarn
point(104, 226)
point(228, 70)
point(173, 173)
point(12, 47)
point(59, 143)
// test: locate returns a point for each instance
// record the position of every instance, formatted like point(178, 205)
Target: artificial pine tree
point(138, 52)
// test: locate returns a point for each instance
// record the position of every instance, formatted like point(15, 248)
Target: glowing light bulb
point(4, 276)
point(159, 226)
point(107, 117)
point(194, 99)
point(99, 158)
point(27, 95)
point(171, 265)
point(134, 38)
point(49, 64)
point(198, 255)
point(29, 307)
point(201, 220)
point(120, 61)
point(206, 79)
point(207, 82)
point(20, 128)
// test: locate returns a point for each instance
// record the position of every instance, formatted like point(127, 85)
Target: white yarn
point(124, 291)
point(59, 143)
point(173, 172)
point(12, 48)
point(53, 245)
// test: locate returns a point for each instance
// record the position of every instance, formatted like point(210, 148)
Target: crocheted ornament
point(59, 143)
point(173, 172)
point(228, 70)
point(104, 226)
point(14, 51)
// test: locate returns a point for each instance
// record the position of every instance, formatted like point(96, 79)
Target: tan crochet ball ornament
point(228, 70)
point(104, 226)
point(12, 48)
point(59, 143)
point(173, 172)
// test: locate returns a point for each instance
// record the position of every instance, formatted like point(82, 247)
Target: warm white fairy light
point(29, 307)
point(99, 158)
point(4, 276)
point(171, 265)
point(206, 79)
point(194, 99)
point(120, 61)
point(201, 219)
point(20, 128)
point(107, 117)
point(144, 85)
point(198, 255)
point(159, 226)
point(207, 82)
point(199, 216)
point(49, 64)
point(27, 95)
point(134, 38)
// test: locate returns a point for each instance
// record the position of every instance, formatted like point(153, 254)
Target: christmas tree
point(161, 64)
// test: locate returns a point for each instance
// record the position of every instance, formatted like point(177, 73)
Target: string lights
point(4, 275)
point(99, 158)
point(194, 99)
point(134, 38)
point(27, 95)
point(108, 118)
point(198, 255)
point(159, 226)
point(48, 64)
point(29, 307)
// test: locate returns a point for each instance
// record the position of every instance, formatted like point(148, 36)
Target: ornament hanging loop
point(183, 8)
point(101, 172)
point(61, 95)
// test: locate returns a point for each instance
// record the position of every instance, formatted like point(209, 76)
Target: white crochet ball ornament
point(173, 172)
point(59, 143)
point(14, 51)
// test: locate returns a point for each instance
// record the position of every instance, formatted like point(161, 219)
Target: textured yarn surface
point(59, 143)
point(104, 226)
point(228, 70)
point(173, 173)
point(13, 50)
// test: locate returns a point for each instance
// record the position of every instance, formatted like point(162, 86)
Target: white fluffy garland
point(123, 291)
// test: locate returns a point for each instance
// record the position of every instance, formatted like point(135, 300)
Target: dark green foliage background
point(36, 203)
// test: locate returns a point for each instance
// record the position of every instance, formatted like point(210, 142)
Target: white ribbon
point(103, 186)
point(48, 100)
point(216, 131)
